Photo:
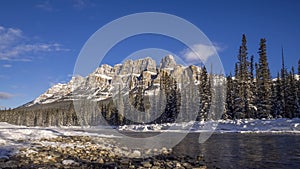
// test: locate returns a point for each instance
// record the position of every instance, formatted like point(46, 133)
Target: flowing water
point(235, 150)
point(240, 150)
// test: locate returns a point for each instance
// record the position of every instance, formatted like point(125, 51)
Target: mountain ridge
point(102, 83)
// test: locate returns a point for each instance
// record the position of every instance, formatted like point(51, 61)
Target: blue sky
point(40, 40)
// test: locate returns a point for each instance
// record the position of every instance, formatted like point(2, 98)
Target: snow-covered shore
point(10, 134)
point(223, 126)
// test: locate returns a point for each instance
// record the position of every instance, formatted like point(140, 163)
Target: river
point(236, 150)
point(240, 150)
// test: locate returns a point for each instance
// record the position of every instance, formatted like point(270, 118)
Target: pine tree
point(204, 95)
point(237, 102)
point(292, 106)
point(244, 80)
point(277, 98)
point(242, 61)
point(252, 68)
point(252, 89)
point(263, 83)
point(171, 91)
point(229, 113)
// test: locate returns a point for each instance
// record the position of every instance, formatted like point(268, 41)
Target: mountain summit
point(167, 62)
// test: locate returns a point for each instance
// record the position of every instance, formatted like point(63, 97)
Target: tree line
point(252, 93)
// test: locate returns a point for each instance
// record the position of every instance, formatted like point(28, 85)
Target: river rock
point(146, 164)
point(125, 161)
point(100, 161)
point(136, 154)
point(69, 162)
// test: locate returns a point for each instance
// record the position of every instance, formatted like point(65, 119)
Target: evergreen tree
point(252, 68)
point(292, 106)
point(237, 102)
point(244, 81)
point(204, 95)
point(277, 98)
point(229, 113)
point(263, 83)
point(252, 90)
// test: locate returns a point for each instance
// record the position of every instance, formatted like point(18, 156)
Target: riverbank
point(91, 152)
point(234, 144)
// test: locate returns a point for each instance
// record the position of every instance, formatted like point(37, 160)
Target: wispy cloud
point(45, 6)
point(80, 4)
point(14, 45)
point(4, 95)
point(199, 52)
point(7, 66)
point(9, 36)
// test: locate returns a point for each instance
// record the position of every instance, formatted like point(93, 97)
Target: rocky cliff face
point(106, 80)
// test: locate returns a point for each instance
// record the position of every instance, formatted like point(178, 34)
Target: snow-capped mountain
point(107, 80)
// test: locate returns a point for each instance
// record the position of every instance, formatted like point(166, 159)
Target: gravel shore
point(92, 152)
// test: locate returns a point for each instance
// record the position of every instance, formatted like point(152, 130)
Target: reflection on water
point(233, 150)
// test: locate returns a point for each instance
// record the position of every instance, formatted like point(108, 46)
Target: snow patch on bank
point(222, 126)
point(17, 135)
point(13, 137)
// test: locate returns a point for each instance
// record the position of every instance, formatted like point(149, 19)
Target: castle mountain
point(134, 92)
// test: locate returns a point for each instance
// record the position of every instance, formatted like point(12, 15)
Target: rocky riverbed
point(92, 152)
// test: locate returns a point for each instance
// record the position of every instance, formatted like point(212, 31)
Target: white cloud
point(7, 65)
point(4, 95)
point(199, 52)
point(14, 45)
